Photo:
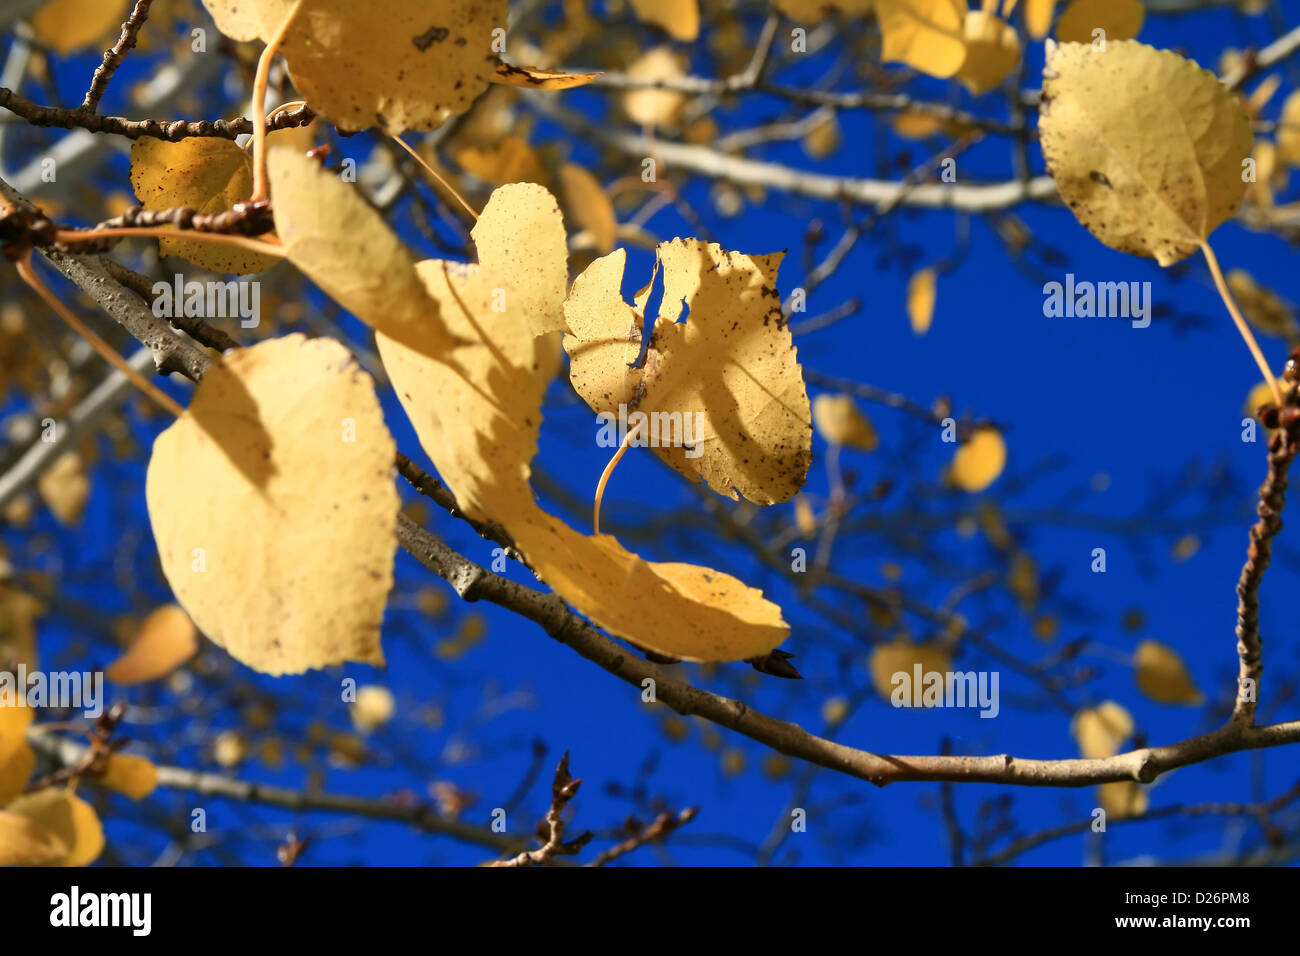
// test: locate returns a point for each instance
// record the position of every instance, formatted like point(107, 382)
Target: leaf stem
point(609, 470)
point(99, 345)
point(434, 173)
point(1242, 327)
point(265, 247)
point(260, 82)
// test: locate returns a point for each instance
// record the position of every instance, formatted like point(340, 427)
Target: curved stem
point(1242, 327)
point(609, 470)
point(99, 345)
point(260, 81)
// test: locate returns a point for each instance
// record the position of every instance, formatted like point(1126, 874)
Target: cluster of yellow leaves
point(52, 826)
point(402, 64)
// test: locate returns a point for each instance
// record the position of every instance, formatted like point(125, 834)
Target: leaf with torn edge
point(730, 372)
point(480, 429)
point(1145, 146)
point(286, 557)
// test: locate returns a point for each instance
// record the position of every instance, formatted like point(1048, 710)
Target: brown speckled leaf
point(1144, 145)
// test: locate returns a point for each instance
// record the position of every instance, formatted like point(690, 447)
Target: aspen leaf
point(1144, 145)
point(373, 707)
point(839, 421)
point(992, 52)
point(1099, 731)
point(901, 656)
point(509, 160)
point(67, 818)
point(480, 429)
point(804, 517)
point(1038, 17)
point(1162, 675)
point(64, 487)
point(1117, 19)
point(979, 461)
point(925, 34)
point(1123, 798)
point(920, 300)
point(24, 842)
point(534, 78)
point(128, 774)
point(680, 19)
point(207, 173)
point(401, 64)
point(730, 369)
point(343, 245)
point(682, 610)
point(814, 11)
point(66, 26)
point(498, 385)
point(1288, 130)
point(16, 756)
point(588, 206)
point(166, 640)
point(651, 107)
point(1261, 306)
point(915, 124)
point(287, 559)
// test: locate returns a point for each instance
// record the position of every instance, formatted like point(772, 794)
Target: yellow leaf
point(651, 107)
point(839, 421)
point(823, 139)
point(1117, 19)
point(1261, 306)
point(64, 487)
point(1185, 547)
point(288, 563)
point(534, 78)
point(401, 64)
point(1144, 145)
point(373, 707)
point(24, 842)
point(1123, 798)
point(1038, 17)
point(1288, 130)
point(680, 19)
point(206, 173)
point(729, 373)
point(1162, 675)
point(16, 757)
point(479, 422)
point(925, 34)
point(914, 124)
point(69, 820)
point(166, 640)
point(510, 160)
point(979, 461)
point(1099, 731)
point(343, 245)
point(920, 300)
point(814, 11)
point(131, 775)
point(19, 612)
point(66, 26)
point(804, 518)
point(480, 428)
point(992, 52)
point(901, 656)
point(588, 206)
